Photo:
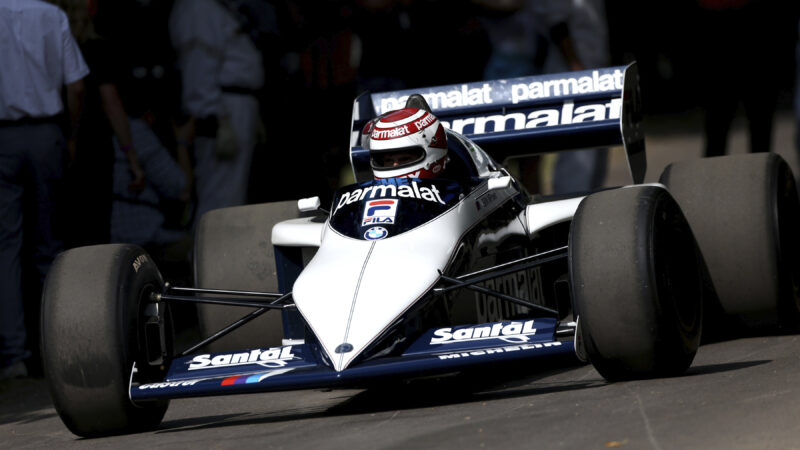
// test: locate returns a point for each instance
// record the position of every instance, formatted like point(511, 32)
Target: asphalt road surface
point(739, 394)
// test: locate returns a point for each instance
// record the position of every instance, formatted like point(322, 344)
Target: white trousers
point(223, 181)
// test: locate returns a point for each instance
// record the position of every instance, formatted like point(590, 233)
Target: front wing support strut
point(262, 307)
point(509, 298)
point(469, 280)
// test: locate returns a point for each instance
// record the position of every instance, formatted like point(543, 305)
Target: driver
point(408, 142)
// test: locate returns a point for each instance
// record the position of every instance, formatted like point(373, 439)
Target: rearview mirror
point(308, 204)
point(499, 183)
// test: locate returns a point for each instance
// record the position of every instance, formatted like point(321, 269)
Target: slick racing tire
point(635, 275)
point(233, 250)
point(94, 329)
point(744, 212)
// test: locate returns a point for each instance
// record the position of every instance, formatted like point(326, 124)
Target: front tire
point(93, 330)
point(635, 276)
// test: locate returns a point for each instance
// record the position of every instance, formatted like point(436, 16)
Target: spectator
point(577, 35)
point(744, 49)
point(222, 73)
point(104, 116)
point(327, 75)
point(797, 90)
point(159, 215)
point(732, 43)
point(39, 57)
point(514, 42)
point(137, 217)
point(509, 26)
point(454, 34)
point(149, 83)
point(380, 70)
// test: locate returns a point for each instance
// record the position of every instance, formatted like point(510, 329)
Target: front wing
point(290, 367)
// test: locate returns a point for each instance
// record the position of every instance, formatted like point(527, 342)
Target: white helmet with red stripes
point(409, 142)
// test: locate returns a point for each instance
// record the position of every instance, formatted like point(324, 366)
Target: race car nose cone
point(354, 290)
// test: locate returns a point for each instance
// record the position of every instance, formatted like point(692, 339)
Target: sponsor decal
point(525, 284)
point(567, 86)
point(380, 212)
point(425, 122)
point(407, 190)
point(456, 96)
point(254, 378)
point(512, 91)
point(137, 263)
point(568, 114)
point(375, 233)
point(400, 123)
point(391, 133)
point(491, 351)
point(485, 200)
point(170, 384)
point(514, 332)
point(274, 357)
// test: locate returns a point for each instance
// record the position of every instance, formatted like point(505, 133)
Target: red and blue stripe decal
point(242, 379)
point(254, 378)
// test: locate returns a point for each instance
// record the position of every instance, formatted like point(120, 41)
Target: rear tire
point(233, 250)
point(745, 215)
point(636, 283)
point(93, 332)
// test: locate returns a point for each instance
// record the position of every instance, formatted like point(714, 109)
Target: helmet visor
point(396, 158)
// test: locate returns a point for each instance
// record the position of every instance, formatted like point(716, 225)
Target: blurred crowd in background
point(191, 105)
point(318, 55)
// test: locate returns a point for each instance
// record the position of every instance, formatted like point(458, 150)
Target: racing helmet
point(408, 142)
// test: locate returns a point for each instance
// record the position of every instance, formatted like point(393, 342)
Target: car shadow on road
point(498, 382)
point(726, 367)
point(24, 400)
point(486, 384)
point(245, 418)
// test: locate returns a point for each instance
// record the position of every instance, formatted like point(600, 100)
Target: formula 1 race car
point(410, 277)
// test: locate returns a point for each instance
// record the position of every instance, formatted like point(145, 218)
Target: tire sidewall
point(744, 212)
point(631, 324)
point(91, 336)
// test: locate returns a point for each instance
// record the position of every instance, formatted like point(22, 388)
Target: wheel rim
point(148, 372)
point(787, 222)
point(676, 266)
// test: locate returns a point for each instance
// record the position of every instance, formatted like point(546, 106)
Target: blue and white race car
point(412, 277)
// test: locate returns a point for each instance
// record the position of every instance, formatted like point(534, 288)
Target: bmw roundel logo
point(376, 233)
point(344, 348)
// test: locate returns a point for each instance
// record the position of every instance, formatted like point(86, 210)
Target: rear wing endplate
point(528, 115)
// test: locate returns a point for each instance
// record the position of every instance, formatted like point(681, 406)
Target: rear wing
point(527, 115)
